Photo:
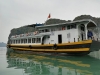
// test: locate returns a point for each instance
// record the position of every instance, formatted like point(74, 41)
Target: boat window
point(46, 30)
point(68, 27)
point(82, 28)
point(73, 26)
point(33, 40)
point(52, 29)
point(59, 28)
point(42, 31)
point(39, 40)
point(16, 41)
point(29, 40)
point(24, 40)
point(21, 40)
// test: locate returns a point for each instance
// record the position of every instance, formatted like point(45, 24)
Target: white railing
point(24, 35)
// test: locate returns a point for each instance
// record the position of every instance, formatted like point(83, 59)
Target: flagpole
point(48, 18)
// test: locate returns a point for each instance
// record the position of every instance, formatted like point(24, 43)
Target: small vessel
point(75, 37)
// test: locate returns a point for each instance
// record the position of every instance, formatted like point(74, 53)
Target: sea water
point(37, 64)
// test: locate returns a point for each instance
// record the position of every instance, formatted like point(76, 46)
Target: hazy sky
point(17, 13)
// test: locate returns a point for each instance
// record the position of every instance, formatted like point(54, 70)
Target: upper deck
point(79, 28)
point(46, 29)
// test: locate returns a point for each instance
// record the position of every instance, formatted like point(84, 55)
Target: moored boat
point(74, 37)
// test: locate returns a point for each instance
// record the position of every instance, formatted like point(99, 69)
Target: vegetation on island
point(26, 29)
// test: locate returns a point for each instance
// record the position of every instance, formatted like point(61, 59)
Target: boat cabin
point(56, 33)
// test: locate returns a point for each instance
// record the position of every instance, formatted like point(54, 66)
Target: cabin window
point(33, 40)
point(29, 40)
point(68, 27)
point(13, 41)
point(59, 28)
point(42, 31)
point(52, 29)
point(38, 40)
point(73, 26)
point(21, 40)
point(82, 27)
point(16, 41)
point(46, 30)
point(25, 40)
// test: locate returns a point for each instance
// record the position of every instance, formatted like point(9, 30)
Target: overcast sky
point(17, 13)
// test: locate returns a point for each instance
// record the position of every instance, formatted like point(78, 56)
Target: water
point(35, 64)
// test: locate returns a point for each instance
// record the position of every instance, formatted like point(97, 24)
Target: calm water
point(25, 64)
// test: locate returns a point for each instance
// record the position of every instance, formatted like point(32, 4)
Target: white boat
point(70, 37)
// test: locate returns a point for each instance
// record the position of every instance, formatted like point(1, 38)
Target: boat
point(69, 37)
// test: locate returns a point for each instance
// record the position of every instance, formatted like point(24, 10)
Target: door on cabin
point(82, 36)
point(60, 38)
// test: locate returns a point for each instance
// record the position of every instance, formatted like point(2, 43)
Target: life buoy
point(63, 28)
point(55, 47)
point(30, 46)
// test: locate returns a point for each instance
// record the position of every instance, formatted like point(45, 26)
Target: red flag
point(49, 16)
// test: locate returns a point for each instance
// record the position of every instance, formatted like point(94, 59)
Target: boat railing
point(23, 35)
point(29, 34)
point(78, 39)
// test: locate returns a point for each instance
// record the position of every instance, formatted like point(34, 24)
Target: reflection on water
point(55, 64)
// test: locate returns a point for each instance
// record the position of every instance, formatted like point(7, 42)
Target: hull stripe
point(51, 50)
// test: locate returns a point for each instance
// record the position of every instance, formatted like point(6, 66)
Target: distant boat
point(70, 37)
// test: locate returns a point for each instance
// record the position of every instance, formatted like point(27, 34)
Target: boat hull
point(73, 47)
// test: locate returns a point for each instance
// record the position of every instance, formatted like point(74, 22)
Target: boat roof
point(89, 21)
